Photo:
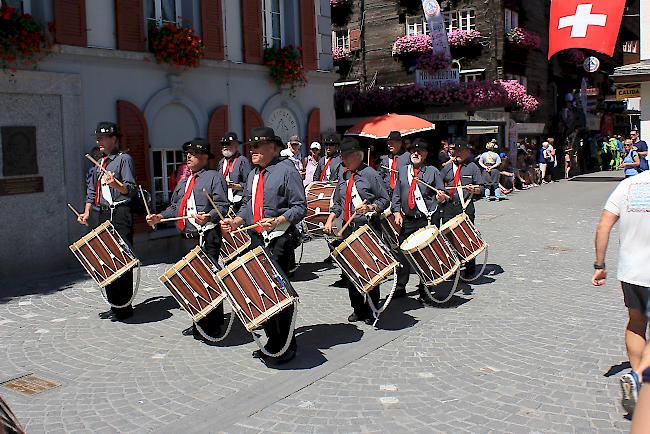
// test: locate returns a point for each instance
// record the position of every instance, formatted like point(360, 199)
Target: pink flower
point(524, 38)
point(463, 38)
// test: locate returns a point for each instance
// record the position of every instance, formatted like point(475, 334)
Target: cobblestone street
point(530, 347)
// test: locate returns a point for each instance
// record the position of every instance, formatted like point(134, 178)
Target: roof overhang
point(633, 73)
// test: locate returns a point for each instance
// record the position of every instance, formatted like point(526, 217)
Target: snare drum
point(320, 198)
point(192, 283)
point(431, 255)
point(256, 289)
point(364, 259)
point(390, 228)
point(463, 237)
point(232, 245)
point(104, 254)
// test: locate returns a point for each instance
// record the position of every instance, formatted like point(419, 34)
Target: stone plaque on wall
point(19, 156)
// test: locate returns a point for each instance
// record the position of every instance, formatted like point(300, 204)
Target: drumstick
point(146, 205)
point(173, 219)
point(236, 231)
point(214, 205)
point(96, 163)
point(420, 181)
point(345, 226)
point(76, 213)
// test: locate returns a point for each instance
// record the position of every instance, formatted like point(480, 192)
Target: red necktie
point(226, 167)
point(348, 198)
point(393, 172)
point(186, 196)
point(258, 205)
point(324, 172)
point(456, 182)
point(98, 187)
point(414, 183)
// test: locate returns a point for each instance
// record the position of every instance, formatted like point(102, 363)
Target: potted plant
point(175, 45)
point(522, 38)
point(23, 41)
point(285, 67)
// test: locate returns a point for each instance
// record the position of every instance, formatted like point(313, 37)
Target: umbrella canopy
point(381, 126)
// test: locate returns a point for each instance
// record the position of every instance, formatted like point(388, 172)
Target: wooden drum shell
point(320, 198)
point(434, 259)
point(464, 237)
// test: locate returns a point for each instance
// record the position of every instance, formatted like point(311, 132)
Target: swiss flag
point(591, 24)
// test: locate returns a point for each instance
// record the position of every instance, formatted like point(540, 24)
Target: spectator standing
point(311, 162)
point(293, 148)
point(631, 162)
point(641, 147)
point(444, 157)
point(629, 203)
point(490, 162)
point(545, 161)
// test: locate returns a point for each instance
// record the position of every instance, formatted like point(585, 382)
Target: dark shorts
point(636, 297)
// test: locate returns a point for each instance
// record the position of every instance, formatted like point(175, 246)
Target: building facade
point(100, 69)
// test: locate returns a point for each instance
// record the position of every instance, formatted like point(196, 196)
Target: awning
point(482, 129)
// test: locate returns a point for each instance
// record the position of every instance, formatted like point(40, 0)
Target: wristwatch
point(598, 266)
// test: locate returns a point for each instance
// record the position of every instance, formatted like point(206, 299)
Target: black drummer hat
point(106, 128)
point(395, 135)
point(229, 137)
point(198, 146)
point(332, 140)
point(350, 144)
point(419, 144)
point(264, 134)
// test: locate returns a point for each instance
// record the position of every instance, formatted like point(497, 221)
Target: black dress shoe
point(341, 283)
point(369, 321)
point(354, 318)
point(123, 313)
point(284, 358)
point(188, 331)
point(399, 293)
point(328, 260)
point(258, 354)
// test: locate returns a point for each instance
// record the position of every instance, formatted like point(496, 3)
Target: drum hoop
point(229, 268)
point(174, 269)
point(90, 235)
point(353, 236)
point(454, 222)
point(261, 319)
point(464, 260)
point(380, 278)
point(420, 246)
point(119, 273)
point(237, 251)
point(456, 264)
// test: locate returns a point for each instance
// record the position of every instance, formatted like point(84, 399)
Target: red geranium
point(285, 66)
point(175, 45)
point(22, 40)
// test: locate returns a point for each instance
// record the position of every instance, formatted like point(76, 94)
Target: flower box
point(23, 42)
point(175, 45)
point(285, 67)
point(341, 55)
point(522, 38)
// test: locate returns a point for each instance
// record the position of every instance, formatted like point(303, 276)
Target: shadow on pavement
point(314, 338)
point(153, 309)
point(42, 285)
point(238, 334)
point(308, 271)
point(597, 179)
point(617, 369)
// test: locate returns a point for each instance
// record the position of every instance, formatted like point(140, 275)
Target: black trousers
point(357, 300)
point(211, 324)
point(451, 210)
point(409, 227)
point(121, 290)
point(277, 329)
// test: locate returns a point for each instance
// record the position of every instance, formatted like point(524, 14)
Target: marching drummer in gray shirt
point(329, 165)
point(367, 184)
point(235, 168)
point(414, 204)
point(202, 228)
point(397, 158)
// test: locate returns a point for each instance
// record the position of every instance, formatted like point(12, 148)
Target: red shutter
point(217, 128)
point(355, 39)
point(251, 21)
point(212, 27)
point(252, 119)
point(313, 126)
point(308, 35)
point(135, 141)
point(70, 22)
point(129, 25)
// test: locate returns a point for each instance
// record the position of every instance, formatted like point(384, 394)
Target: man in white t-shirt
point(630, 203)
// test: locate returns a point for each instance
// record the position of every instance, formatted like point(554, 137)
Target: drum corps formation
point(240, 224)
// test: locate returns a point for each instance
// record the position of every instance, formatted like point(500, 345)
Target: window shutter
point(313, 126)
point(135, 141)
point(252, 119)
point(251, 18)
point(308, 35)
point(217, 128)
point(129, 25)
point(212, 28)
point(355, 39)
point(70, 22)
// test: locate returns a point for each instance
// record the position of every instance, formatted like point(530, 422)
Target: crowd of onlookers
point(629, 155)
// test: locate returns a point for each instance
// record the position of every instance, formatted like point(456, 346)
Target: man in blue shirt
point(641, 147)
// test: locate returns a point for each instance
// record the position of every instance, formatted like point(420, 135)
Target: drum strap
point(417, 194)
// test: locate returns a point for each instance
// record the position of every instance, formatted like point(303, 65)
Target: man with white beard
point(235, 168)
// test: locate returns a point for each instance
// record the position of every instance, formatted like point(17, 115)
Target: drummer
point(396, 159)
point(106, 200)
point(279, 205)
point(235, 168)
point(417, 202)
point(358, 183)
point(329, 165)
point(462, 172)
point(202, 229)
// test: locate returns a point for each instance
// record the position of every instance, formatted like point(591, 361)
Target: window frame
point(158, 13)
point(522, 79)
point(345, 37)
point(26, 6)
point(510, 19)
point(165, 164)
point(460, 19)
point(476, 74)
point(267, 11)
point(409, 23)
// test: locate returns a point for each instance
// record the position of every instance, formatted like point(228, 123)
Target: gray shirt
point(403, 159)
point(122, 166)
point(428, 174)
point(284, 193)
point(335, 168)
point(214, 183)
point(369, 186)
point(238, 171)
point(489, 159)
point(469, 174)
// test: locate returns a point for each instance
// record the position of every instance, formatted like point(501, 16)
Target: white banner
point(437, 27)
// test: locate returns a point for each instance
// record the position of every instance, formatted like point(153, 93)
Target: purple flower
point(463, 38)
point(524, 38)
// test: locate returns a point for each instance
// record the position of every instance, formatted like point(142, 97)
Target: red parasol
point(381, 126)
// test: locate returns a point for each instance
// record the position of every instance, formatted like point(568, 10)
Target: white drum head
point(419, 238)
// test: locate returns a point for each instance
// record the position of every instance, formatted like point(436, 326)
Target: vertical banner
point(437, 28)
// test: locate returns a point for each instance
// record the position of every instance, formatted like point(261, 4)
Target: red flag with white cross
point(590, 24)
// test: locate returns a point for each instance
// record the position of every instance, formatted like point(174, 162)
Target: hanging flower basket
point(522, 38)
point(285, 67)
point(433, 62)
point(340, 55)
point(412, 45)
point(175, 45)
point(23, 42)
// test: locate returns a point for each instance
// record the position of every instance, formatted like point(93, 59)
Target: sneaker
point(629, 391)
